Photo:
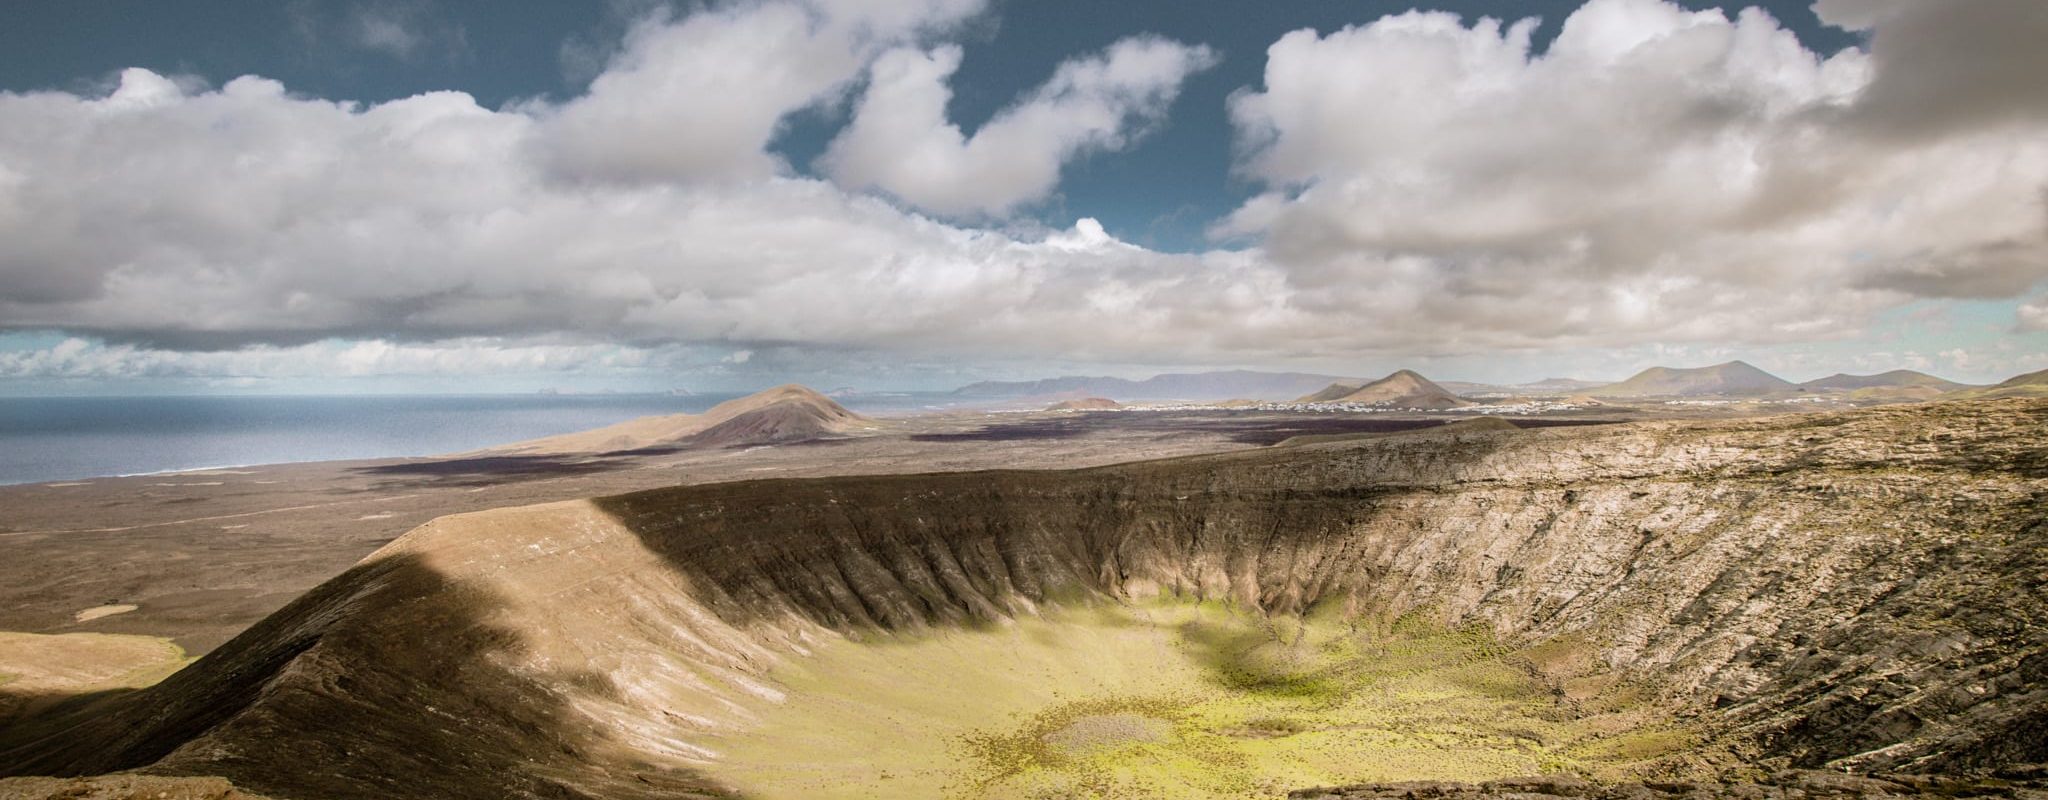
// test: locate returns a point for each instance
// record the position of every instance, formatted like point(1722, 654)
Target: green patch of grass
point(1177, 699)
point(1640, 745)
point(1259, 660)
point(1034, 751)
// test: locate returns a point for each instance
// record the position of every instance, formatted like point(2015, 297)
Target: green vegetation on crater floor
point(1186, 700)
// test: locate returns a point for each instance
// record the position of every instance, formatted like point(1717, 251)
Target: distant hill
point(788, 413)
point(1896, 378)
point(1171, 386)
point(1086, 404)
point(1733, 379)
point(2029, 379)
point(2032, 384)
point(1403, 389)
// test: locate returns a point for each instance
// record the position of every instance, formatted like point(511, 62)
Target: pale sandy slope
point(782, 414)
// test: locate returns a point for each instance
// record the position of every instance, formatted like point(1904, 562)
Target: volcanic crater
point(1666, 601)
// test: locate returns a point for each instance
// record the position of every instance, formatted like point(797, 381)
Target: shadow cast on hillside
point(909, 552)
point(388, 681)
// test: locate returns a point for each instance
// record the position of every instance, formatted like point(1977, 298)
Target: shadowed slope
point(1862, 589)
point(391, 680)
point(783, 414)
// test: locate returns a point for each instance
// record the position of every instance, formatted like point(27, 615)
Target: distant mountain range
point(1895, 378)
point(1737, 379)
point(1233, 384)
point(794, 413)
point(1409, 389)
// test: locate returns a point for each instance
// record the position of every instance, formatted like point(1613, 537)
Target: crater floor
point(1173, 699)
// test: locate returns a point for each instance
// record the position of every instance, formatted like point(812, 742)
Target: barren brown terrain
point(203, 555)
point(1694, 604)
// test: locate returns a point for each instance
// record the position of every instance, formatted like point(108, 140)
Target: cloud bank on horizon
point(1426, 187)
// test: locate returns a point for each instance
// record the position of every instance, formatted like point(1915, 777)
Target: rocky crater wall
point(1865, 590)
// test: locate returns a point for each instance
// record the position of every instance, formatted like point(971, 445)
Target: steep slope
point(1864, 589)
point(1843, 381)
point(1403, 389)
point(782, 414)
point(1733, 379)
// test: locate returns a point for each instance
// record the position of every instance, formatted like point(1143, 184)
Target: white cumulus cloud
point(2033, 315)
point(247, 215)
point(699, 98)
point(900, 140)
point(1655, 172)
point(1427, 188)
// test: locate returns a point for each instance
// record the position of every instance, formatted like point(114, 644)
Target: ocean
point(63, 438)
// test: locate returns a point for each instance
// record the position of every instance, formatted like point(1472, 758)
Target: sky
point(420, 196)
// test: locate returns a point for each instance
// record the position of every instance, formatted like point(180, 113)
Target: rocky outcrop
point(121, 787)
point(1864, 591)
